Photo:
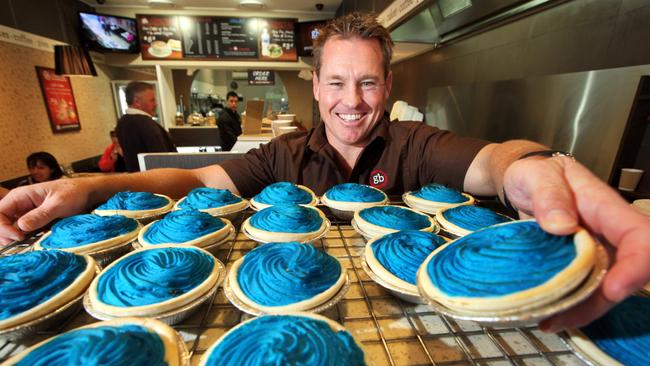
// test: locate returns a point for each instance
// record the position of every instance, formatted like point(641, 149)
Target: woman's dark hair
point(47, 159)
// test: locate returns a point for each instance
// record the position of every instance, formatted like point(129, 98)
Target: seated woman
point(42, 167)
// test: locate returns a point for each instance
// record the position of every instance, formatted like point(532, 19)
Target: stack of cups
point(283, 124)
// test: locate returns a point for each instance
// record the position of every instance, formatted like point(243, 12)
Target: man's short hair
point(354, 25)
point(232, 94)
point(134, 88)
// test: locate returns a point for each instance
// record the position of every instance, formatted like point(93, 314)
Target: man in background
point(229, 122)
point(136, 131)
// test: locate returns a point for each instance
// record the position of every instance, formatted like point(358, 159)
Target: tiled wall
point(24, 123)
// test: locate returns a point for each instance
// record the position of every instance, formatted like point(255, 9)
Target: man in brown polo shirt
point(352, 81)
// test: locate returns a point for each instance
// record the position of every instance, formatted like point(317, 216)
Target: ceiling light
point(251, 4)
point(160, 2)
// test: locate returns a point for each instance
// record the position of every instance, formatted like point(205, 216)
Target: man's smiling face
point(351, 89)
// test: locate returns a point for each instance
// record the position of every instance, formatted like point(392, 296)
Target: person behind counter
point(42, 167)
point(113, 158)
point(356, 143)
point(136, 131)
point(229, 122)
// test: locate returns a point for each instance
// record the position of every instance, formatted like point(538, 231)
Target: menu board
point(277, 40)
point(220, 38)
point(160, 37)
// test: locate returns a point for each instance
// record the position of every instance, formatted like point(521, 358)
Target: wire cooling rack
point(391, 331)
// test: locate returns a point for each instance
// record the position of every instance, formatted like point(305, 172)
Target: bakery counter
point(391, 331)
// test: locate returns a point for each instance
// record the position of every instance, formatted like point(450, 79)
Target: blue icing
point(152, 276)
point(283, 192)
point(395, 217)
point(402, 252)
point(80, 230)
point(473, 217)
point(30, 279)
point(286, 340)
point(182, 226)
point(624, 332)
point(134, 201)
point(287, 218)
point(126, 345)
point(353, 192)
point(286, 273)
point(205, 198)
point(439, 193)
point(500, 260)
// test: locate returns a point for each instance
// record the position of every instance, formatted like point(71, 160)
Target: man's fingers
point(592, 308)
point(8, 233)
point(40, 216)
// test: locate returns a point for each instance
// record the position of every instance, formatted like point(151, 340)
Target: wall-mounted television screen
point(102, 32)
point(307, 33)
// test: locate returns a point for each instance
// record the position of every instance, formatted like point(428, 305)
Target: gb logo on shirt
point(378, 179)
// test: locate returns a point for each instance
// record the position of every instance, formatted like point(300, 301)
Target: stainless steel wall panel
point(584, 113)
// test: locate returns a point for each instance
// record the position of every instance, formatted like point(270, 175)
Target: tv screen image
point(103, 32)
point(307, 33)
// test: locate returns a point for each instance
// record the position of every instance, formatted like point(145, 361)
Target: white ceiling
point(275, 6)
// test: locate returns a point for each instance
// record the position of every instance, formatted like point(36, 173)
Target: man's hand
point(29, 208)
point(562, 194)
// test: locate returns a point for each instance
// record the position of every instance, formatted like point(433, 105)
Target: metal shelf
point(391, 331)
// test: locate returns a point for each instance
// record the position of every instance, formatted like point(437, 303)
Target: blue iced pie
point(88, 233)
point(152, 281)
point(291, 339)
point(462, 220)
point(186, 227)
point(381, 220)
point(137, 205)
point(395, 258)
point(286, 222)
point(36, 283)
point(282, 277)
point(349, 197)
point(434, 197)
point(128, 341)
point(284, 193)
point(620, 337)
point(507, 267)
point(217, 202)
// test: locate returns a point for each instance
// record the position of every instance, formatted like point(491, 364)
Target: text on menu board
point(160, 37)
point(210, 37)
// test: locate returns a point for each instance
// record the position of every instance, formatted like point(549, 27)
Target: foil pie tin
point(42, 323)
point(104, 257)
point(230, 295)
point(46, 321)
point(319, 236)
point(519, 318)
point(170, 317)
point(583, 356)
point(412, 297)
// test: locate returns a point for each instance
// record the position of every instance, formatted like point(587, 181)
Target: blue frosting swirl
point(287, 218)
point(402, 252)
point(283, 192)
point(126, 345)
point(286, 340)
point(439, 193)
point(80, 230)
point(353, 192)
point(29, 279)
point(286, 273)
point(182, 226)
point(205, 198)
point(473, 217)
point(134, 201)
point(395, 217)
point(500, 260)
point(152, 276)
point(624, 332)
